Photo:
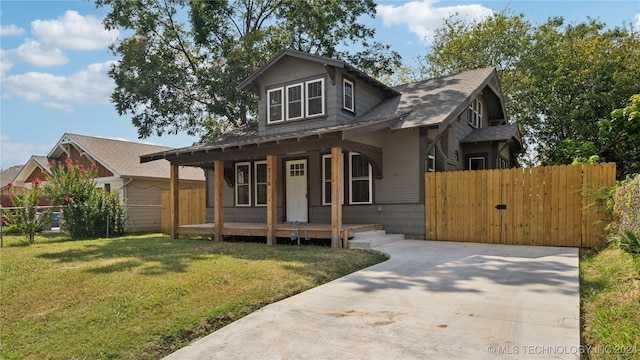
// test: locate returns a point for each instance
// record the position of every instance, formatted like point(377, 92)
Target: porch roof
point(494, 133)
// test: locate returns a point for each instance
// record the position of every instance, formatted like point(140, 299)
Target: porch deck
point(304, 230)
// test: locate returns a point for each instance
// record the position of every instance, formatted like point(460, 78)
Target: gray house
point(323, 122)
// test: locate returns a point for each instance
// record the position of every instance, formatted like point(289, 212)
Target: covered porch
point(283, 230)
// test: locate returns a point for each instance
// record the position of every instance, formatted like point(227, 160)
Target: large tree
point(559, 80)
point(182, 59)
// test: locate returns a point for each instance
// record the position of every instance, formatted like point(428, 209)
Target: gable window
point(360, 180)
point(261, 183)
point(431, 159)
point(294, 102)
point(315, 97)
point(326, 181)
point(347, 89)
point(243, 184)
point(475, 114)
point(276, 105)
point(476, 163)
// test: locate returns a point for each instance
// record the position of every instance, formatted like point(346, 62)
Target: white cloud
point(34, 53)
point(11, 30)
point(90, 86)
point(423, 17)
point(637, 24)
point(73, 31)
point(14, 153)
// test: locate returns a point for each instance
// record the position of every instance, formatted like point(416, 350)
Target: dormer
point(299, 91)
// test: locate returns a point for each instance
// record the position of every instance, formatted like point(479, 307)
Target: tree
point(25, 215)
point(620, 137)
point(88, 212)
point(179, 68)
point(558, 80)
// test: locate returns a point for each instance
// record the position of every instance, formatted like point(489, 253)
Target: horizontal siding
point(401, 168)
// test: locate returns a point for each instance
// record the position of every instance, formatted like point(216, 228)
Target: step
point(367, 240)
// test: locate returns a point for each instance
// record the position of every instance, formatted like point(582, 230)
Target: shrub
point(89, 212)
point(25, 217)
point(629, 241)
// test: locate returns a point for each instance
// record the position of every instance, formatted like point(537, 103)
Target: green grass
point(610, 303)
point(144, 296)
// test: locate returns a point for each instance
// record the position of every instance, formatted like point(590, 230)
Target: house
point(8, 176)
point(118, 168)
point(323, 122)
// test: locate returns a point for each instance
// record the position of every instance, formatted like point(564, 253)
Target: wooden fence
point(192, 208)
point(549, 206)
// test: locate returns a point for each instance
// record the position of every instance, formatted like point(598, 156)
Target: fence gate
point(548, 206)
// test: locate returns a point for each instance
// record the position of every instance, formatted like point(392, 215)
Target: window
point(475, 114)
point(326, 181)
point(294, 102)
point(315, 97)
point(431, 159)
point(503, 163)
point(476, 163)
point(276, 105)
point(261, 182)
point(360, 182)
point(107, 187)
point(347, 88)
point(243, 184)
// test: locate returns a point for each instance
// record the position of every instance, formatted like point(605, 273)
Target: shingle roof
point(493, 133)
point(432, 101)
point(9, 174)
point(123, 157)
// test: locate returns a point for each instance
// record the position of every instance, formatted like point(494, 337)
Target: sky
point(54, 60)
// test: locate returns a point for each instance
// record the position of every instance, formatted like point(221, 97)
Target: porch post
point(272, 198)
point(336, 201)
point(218, 199)
point(174, 186)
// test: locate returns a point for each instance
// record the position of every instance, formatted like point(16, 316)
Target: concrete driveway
point(430, 300)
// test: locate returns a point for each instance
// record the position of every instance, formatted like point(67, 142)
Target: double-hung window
point(295, 108)
point(261, 182)
point(326, 181)
point(347, 89)
point(275, 102)
point(315, 97)
point(243, 184)
point(360, 180)
point(476, 163)
point(475, 114)
point(431, 159)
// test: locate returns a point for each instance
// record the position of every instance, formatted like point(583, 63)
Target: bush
point(25, 217)
point(629, 241)
point(89, 212)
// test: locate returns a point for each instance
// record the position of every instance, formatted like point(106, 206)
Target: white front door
point(296, 192)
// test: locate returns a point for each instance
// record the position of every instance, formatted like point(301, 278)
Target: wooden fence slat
point(548, 206)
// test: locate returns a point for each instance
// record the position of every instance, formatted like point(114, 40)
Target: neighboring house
point(118, 168)
point(311, 106)
point(8, 176)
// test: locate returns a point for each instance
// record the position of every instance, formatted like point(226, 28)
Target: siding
point(401, 167)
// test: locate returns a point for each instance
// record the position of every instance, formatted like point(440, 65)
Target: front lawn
point(610, 303)
point(144, 296)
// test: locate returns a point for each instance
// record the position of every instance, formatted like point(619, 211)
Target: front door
point(296, 192)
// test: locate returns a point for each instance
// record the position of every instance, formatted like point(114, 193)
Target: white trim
point(248, 183)
point(431, 156)
point(256, 183)
point(325, 180)
point(307, 99)
point(302, 101)
point(484, 161)
point(352, 107)
point(474, 118)
point(369, 178)
point(282, 107)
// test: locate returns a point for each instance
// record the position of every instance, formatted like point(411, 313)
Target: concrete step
point(370, 239)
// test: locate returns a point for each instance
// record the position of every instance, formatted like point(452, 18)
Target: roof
point(425, 103)
point(433, 101)
point(246, 84)
point(493, 133)
point(9, 174)
point(123, 157)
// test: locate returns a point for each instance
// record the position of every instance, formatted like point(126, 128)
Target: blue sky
point(54, 61)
